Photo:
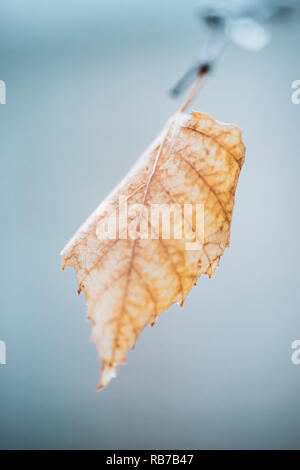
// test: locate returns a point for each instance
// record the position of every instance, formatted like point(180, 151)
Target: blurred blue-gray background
point(86, 93)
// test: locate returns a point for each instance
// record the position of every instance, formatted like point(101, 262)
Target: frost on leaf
point(130, 281)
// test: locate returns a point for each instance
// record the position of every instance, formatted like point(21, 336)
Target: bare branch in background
point(245, 22)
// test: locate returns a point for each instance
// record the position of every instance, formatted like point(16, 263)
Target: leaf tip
point(107, 374)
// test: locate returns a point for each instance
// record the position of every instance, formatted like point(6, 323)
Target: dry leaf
point(128, 282)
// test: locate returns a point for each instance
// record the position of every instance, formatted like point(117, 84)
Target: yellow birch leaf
point(133, 270)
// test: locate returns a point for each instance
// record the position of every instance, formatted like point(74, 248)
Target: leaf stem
point(200, 78)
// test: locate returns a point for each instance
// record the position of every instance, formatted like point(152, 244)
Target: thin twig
point(201, 75)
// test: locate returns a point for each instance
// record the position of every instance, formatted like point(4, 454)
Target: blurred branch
point(241, 21)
